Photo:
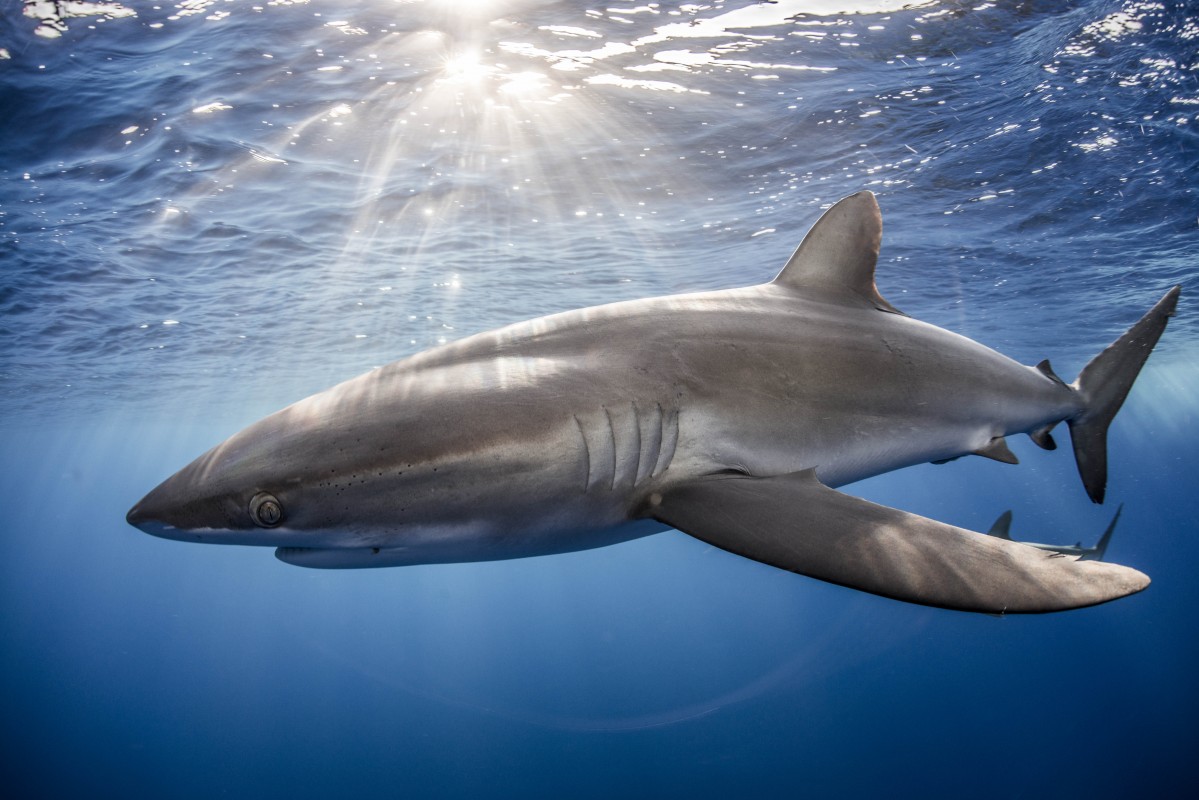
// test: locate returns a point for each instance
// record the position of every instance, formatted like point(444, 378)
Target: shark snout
point(156, 513)
point(137, 515)
point(177, 508)
point(148, 515)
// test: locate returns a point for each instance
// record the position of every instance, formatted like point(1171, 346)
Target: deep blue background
point(376, 177)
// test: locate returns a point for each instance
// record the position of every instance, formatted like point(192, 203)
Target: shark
point(1002, 528)
point(734, 416)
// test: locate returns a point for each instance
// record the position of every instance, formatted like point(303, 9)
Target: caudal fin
point(1104, 383)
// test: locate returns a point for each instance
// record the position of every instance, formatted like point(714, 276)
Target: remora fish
point(729, 415)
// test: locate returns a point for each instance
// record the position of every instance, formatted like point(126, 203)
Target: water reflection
point(461, 90)
point(598, 153)
point(488, 107)
point(53, 17)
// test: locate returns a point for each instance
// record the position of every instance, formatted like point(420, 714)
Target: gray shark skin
point(730, 415)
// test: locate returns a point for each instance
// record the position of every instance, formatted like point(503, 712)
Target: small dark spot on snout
point(374, 551)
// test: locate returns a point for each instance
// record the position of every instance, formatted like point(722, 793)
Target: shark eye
point(265, 510)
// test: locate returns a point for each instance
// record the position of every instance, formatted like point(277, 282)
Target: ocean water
point(211, 209)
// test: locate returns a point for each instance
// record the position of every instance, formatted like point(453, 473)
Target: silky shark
point(730, 415)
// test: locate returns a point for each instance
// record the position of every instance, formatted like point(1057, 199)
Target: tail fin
point(1104, 383)
point(1096, 554)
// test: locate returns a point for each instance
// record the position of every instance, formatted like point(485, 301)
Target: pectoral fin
point(796, 523)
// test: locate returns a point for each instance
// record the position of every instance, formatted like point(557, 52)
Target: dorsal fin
point(840, 252)
point(1048, 372)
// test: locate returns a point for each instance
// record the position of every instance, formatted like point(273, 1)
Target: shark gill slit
point(626, 430)
point(651, 444)
point(586, 454)
point(624, 448)
point(638, 440)
point(612, 437)
point(669, 440)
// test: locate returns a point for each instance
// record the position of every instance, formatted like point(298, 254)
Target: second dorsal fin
point(840, 252)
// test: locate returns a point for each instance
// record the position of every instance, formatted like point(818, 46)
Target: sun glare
point(461, 116)
point(466, 68)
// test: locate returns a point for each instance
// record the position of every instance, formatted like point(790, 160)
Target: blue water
point(211, 209)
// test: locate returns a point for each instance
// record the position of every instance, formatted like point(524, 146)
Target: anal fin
point(796, 523)
point(1041, 437)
